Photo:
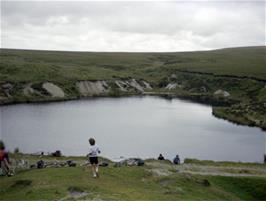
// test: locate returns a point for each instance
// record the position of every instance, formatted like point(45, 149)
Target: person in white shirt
point(93, 157)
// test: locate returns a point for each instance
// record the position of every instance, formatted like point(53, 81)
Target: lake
point(129, 127)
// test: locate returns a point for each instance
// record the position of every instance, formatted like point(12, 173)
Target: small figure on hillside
point(93, 157)
point(161, 157)
point(5, 164)
point(176, 160)
point(57, 153)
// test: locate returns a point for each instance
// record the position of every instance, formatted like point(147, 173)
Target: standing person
point(93, 157)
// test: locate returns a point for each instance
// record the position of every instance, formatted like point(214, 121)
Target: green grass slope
point(130, 184)
point(31, 65)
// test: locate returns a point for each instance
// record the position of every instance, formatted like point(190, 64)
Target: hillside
point(233, 80)
point(32, 65)
point(193, 180)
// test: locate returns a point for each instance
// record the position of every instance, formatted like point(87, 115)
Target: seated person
point(4, 161)
point(160, 157)
point(176, 160)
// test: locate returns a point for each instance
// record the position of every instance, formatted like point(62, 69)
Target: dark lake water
point(130, 127)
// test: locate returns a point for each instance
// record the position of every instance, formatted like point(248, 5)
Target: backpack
point(140, 162)
point(40, 164)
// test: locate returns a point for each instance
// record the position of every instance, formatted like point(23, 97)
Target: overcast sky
point(132, 26)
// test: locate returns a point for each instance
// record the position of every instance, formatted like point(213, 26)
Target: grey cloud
point(129, 26)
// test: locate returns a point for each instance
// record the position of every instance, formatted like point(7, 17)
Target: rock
point(133, 83)
point(171, 86)
point(90, 88)
point(76, 192)
point(173, 76)
point(123, 86)
point(2, 98)
point(71, 163)
point(32, 166)
point(160, 172)
point(28, 90)
point(257, 122)
point(128, 85)
point(221, 93)
point(193, 90)
point(146, 85)
point(7, 86)
point(53, 90)
point(130, 162)
point(55, 164)
point(22, 164)
point(134, 162)
point(203, 89)
point(104, 164)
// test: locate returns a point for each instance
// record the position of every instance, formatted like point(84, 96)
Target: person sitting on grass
point(176, 160)
point(161, 157)
point(4, 161)
point(93, 157)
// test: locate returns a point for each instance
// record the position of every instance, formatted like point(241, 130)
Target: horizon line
point(88, 51)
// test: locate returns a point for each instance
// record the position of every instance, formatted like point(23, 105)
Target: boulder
point(71, 163)
point(104, 164)
point(146, 85)
point(123, 86)
point(222, 93)
point(173, 76)
point(53, 90)
point(7, 86)
point(171, 86)
point(28, 90)
point(203, 89)
point(130, 162)
point(90, 88)
point(3, 98)
point(133, 83)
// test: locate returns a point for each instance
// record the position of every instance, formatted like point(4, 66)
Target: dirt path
point(166, 169)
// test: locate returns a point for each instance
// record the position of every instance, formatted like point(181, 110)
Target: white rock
point(53, 90)
point(28, 90)
point(7, 86)
point(220, 92)
point(173, 76)
point(171, 86)
point(123, 86)
point(133, 83)
point(89, 88)
point(146, 85)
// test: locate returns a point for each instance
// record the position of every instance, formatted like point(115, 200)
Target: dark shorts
point(93, 160)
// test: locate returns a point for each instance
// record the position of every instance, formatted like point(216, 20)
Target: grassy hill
point(155, 181)
point(32, 65)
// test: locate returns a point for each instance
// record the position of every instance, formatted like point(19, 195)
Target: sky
point(150, 26)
